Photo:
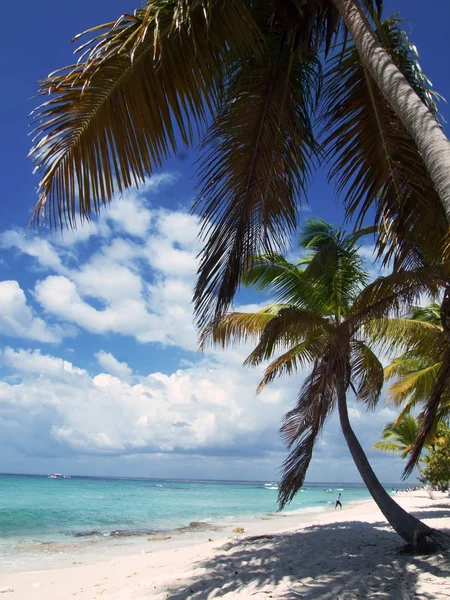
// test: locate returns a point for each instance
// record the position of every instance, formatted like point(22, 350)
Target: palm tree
point(319, 318)
point(420, 375)
point(151, 82)
point(399, 438)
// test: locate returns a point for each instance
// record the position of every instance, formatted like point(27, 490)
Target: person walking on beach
point(338, 502)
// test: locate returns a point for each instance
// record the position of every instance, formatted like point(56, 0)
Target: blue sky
point(98, 359)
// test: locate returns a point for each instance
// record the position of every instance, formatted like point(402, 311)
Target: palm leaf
point(297, 357)
point(390, 447)
point(391, 294)
point(367, 372)
point(284, 281)
point(291, 326)
point(255, 161)
point(302, 425)
point(415, 385)
point(115, 116)
point(419, 338)
point(375, 161)
point(234, 328)
point(430, 415)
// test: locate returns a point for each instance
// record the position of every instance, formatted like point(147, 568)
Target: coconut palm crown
point(244, 77)
point(320, 317)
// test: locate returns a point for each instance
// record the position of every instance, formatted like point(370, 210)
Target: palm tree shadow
point(339, 560)
point(432, 514)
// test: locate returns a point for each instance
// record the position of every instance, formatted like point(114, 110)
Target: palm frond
point(427, 314)
point(390, 447)
point(302, 425)
point(367, 372)
point(284, 281)
point(375, 161)
point(297, 357)
point(418, 338)
point(335, 265)
point(391, 294)
point(291, 326)
point(115, 115)
point(236, 327)
point(414, 385)
point(255, 162)
point(430, 415)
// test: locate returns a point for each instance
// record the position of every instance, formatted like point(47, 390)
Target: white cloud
point(140, 287)
point(203, 407)
point(129, 215)
point(38, 248)
point(17, 319)
point(207, 409)
point(33, 362)
point(113, 366)
point(127, 315)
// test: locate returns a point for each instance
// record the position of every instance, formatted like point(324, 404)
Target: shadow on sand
point(339, 561)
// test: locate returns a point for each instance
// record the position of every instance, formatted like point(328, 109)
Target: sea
point(43, 518)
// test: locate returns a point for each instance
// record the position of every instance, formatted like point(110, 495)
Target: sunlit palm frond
point(430, 414)
point(115, 116)
point(375, 161)
point(399, 437)
point(254, 166)
point(302, 425)
point(367, 373)
point(390, 448)
point(294, 359)
point(413, 385)
point(236, 327)
point(291, 326)
point(418, 338)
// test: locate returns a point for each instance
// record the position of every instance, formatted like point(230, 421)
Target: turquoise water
point(37, 511)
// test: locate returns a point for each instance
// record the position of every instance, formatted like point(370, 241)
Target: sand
point(336, 555)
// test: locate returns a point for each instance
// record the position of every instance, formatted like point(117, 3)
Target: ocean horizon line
point(204, 480)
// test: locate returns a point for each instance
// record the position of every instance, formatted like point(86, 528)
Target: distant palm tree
point(321, 312)
point(421, 374)
point(152, 82)
point(399, 437)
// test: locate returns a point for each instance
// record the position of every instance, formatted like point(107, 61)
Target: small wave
point(272, 487)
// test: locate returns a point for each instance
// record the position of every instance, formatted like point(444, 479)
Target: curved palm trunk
point(415, 116)
point(417, 534)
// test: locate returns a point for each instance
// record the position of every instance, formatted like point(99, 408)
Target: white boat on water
point(58, 476)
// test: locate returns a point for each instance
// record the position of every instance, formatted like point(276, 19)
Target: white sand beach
point(338, 555)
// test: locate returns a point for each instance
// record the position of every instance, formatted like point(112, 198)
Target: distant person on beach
point(338, 501)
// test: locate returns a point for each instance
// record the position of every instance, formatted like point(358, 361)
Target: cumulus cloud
point(17, 319)
point(202, 408)
point(109, 362)
point(137, 282)
point(132, 273)
point(206, 409)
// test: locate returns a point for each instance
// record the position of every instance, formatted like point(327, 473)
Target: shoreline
point(81, 550)
point(291, 551)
